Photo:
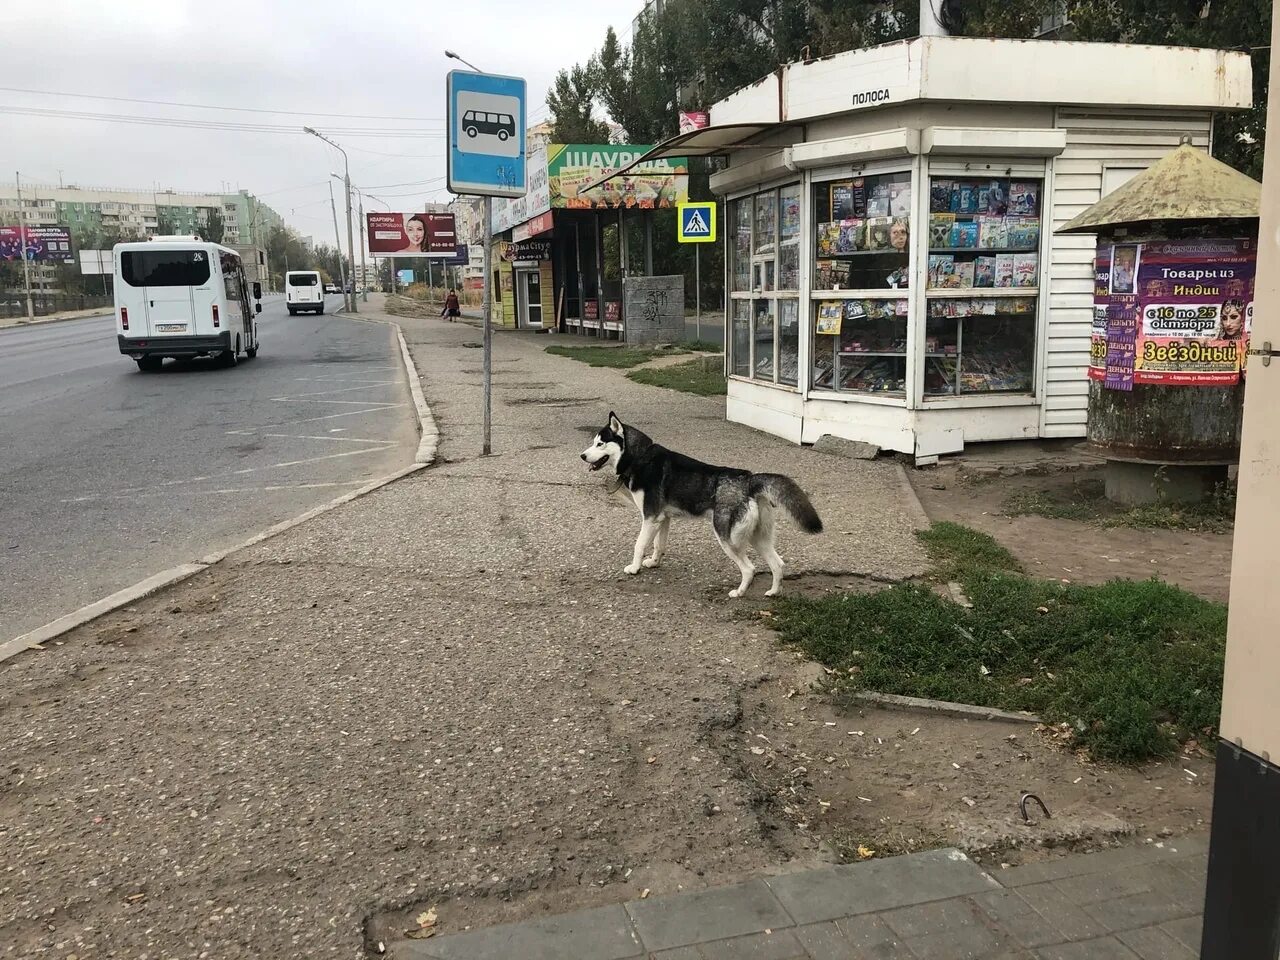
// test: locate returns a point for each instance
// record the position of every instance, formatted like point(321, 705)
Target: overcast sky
point(382, 59)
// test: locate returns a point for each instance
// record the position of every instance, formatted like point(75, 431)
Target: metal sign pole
point(488, 327)
point(697, 291)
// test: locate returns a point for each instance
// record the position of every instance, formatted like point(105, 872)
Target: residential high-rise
point(105, 212)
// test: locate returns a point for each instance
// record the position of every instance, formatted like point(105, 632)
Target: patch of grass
point(619, 357)
point(695, 376)
point(1087, 503)
point(1214, 514)
point(958, 551)
point(1044, 505)
point(1133, 667)
point(702, 346)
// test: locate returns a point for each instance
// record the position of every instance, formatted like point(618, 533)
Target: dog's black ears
point(614, 423)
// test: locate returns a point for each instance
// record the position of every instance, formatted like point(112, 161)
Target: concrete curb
point(40, 321)
point(167, 578)
point(121, 598)
point(965, 710)
point(428, 432)
point(914, 507)
point(429, 440)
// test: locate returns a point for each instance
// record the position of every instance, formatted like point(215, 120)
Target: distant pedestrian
point(451, 308)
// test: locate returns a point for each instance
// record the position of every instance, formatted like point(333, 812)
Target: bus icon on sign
point(488, 124)
point(500, 125)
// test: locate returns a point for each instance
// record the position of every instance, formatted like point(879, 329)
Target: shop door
point(531, 298)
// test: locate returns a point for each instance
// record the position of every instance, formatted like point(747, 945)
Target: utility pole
point(364, 242)
point(22, 246)
point(351, 247)
point(342, 278)
point(1242, 893)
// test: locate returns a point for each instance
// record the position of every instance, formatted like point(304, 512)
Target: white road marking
point(240, 473)
point(333, 416)
point(271, 488)
point(342, 380)
point(300, 436)
point(359, 403)
point(324, 393)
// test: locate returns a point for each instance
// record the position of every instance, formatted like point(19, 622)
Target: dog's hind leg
point(763, 542)
point(733, 533)
point(648, 530)
point(659, 543)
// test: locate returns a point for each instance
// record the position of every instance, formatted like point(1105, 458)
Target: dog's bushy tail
point(786, 493)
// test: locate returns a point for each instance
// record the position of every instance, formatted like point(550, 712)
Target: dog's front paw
point(773, 592)
point(735, 593)
point(651, 562)
point(631, 568)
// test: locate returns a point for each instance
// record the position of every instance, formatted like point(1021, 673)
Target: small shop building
point(550, 267)
point(893, 274)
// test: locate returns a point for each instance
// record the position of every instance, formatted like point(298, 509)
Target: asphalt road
point(110, 475)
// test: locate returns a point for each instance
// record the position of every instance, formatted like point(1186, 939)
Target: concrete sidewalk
point(444, 692)
point(1138, 903)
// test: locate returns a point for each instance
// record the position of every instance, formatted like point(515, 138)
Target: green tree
point(572, 104)
point(286, 251)
point(215, 227)
point(1227, 24)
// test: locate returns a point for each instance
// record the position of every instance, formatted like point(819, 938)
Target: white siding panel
point(1096, 140)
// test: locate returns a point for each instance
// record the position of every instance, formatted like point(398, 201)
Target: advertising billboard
point(411, 234)
point(44, 244)
point(1174, 312)
point(571, 167)
point(511, 213)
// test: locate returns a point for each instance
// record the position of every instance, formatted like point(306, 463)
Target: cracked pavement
point(446, 692)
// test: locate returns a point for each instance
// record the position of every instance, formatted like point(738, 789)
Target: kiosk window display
point(983, 285)
point(862, 244)
point(765, 233)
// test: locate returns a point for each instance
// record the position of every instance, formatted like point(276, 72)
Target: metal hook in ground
point(1022, 806)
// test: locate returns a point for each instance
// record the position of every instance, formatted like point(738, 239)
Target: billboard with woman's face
point(411, 234)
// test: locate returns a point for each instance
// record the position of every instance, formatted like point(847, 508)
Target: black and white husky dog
point(664, 484)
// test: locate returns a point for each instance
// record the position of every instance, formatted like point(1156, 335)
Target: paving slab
point(1103, 948)
point(824, 941)
point(773, 945)
point(843, 891)
point(1011, 913)
point(1099, 862)
point(707, 915)
point(1152, 943)
point(1061, 914)
point(1139, 910)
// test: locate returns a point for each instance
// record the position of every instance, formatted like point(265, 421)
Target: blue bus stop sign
point(486, 115)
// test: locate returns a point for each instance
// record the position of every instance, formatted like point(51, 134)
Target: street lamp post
point(337, 238)
point(351, 247)
point(485, 446)
point(364, 274)
point(22, 248)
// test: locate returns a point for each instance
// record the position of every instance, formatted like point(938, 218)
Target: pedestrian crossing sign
point(697, 222)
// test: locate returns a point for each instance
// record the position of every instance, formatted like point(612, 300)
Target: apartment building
point(96, 212)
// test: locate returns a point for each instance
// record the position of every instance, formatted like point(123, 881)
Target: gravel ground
point(446, 692)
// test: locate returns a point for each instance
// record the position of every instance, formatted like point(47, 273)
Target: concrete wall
point(654, 309)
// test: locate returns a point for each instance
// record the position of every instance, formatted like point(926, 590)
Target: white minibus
point(303, 291)
point(183, 297)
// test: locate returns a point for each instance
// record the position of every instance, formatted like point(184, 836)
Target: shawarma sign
point(571, 167)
